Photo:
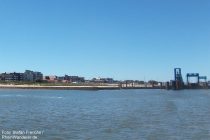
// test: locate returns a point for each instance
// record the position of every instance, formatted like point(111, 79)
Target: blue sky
point(123, 39)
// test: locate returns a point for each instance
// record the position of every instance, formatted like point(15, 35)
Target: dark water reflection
point(103, 115)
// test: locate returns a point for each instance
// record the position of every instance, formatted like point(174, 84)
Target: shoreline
point(79, 87)
point(105, 87)
point(58, 87)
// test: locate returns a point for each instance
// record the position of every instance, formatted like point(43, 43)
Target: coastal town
point(35, 79)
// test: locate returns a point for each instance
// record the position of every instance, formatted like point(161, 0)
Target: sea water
point(105, 114)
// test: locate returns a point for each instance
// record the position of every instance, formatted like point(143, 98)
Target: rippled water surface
point(104, 115)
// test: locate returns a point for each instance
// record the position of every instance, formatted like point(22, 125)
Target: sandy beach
point(114, 86)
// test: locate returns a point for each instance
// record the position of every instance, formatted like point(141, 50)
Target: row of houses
point(34, 76)
point(29, 76)
point(64, 79)
point(102, 80)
